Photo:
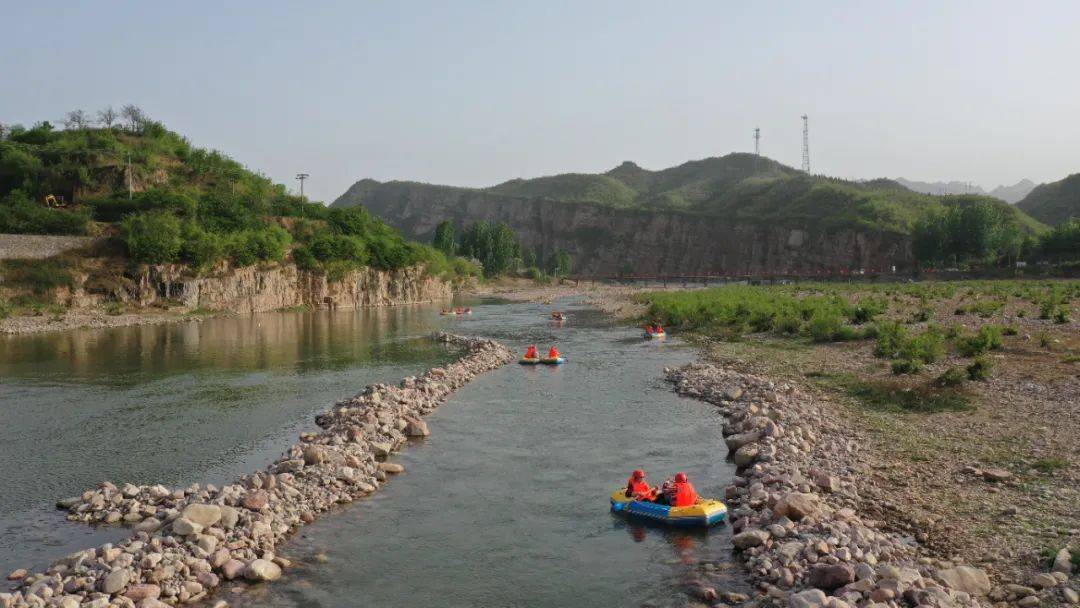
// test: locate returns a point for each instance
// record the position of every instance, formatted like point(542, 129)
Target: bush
point(927, 347)
point(1061, 316)
point(304, 259)
point(972, 345)
point(152, 238)
point(199, 248)
point(5, 309)
point(19, 214)
point(37, 276)
point(891, 337)
point(866, 310)
point(114, 308)
point(253, 246)
point(825, 326)
point(954, 376)
point(980, 369)
point(906, 366)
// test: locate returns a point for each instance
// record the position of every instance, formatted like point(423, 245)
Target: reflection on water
point(176, 404)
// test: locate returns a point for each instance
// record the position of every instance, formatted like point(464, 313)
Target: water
point(504, 505)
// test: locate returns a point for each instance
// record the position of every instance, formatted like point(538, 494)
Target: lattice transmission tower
point(805, 143)
point(757, 147)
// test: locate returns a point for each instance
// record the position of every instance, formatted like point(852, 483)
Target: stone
point(313, 455)
point(232, 569)
point(416, 428)
point(204, 515)
point(17, 575)
point(1062, 562)
point(734, 442)
point(826, 482)
point(219, 558)
point(995, 474)
point(1027, 602)
point(262, 570)
point(142, 591)
point(391, 467)
point(749, 538)
point(229, 517)
point(967, 579)
point(732, 393)
point(381, 449)
point(745, 455)
point(796, 505)
point(148, 525)
point(1043, 581)
point(68, 601)
point(257, 500)
point(208, 543)
point(152, 602)
point(115, 581)
point(831, 577)
point(183, 526)
point(1070, 595)
point(811, 598)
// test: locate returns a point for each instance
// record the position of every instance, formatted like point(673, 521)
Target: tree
point(152, 238)
point(930, 239)
point(107, 117)
point(559, 264)
point(444, 238)
point(134, 116)
point(76, 120)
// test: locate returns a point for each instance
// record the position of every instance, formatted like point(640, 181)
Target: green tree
point(559, 264)
point(930, 239)
point(444, 238)
point(152, 238)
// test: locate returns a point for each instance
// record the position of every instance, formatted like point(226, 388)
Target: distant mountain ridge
point(736, 213)
point(1054, 203)
point(1009, 194)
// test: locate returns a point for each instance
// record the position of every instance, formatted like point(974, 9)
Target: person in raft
point(553, 353)
point(637, 488)
point(531, 353)
point(678, 492)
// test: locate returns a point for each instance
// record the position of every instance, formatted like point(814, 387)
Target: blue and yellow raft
point(543, 360)
point(706, 512)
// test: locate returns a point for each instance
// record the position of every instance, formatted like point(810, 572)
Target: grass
point(39, 277)
point(889, 396)
point(1049, 465)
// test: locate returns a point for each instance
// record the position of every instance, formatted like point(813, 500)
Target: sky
point(476, 93)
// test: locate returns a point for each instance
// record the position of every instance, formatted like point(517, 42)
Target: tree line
point(498, 250)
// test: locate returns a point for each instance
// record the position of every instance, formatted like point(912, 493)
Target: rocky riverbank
point(795, 511)
point(189, 541)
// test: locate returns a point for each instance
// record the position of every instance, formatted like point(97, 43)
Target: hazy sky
point(474, 93)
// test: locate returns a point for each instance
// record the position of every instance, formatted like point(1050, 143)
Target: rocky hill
point(1054, 203)
point(733, 214)
point(1009, 194)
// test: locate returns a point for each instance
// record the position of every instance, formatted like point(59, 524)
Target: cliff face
point(253, 289)
point(604, 241)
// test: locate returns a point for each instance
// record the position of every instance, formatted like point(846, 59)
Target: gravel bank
point(188, 541)
point(794, 510)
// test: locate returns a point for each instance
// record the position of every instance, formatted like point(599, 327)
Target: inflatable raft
point(654, 335)
point(541, 360)
point(529, 360)
point(706, 512)
point(555, 361)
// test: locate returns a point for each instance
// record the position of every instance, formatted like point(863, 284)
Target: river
point(504, 505)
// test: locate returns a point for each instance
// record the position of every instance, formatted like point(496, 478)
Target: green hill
point(739, 187)
point(1054, 203)
point(168, 201)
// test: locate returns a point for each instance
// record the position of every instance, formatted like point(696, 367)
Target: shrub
point(252, 246)
point(20, 214)
point(972, 345)
point(927, 347)
point(1061, 316)
point(199, 248)
point(954, 376)
point(1010, 330)
point(5, 309)
point(304, 259)
point(114, 308)
point(866, 310)
point(37, 276)
point(980, 369)
point(825, 326)
point(891, 337)
point(152, 238)
point(906, 366)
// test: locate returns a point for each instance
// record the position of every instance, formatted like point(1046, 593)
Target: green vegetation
point(986, 339)
point(890, 396)
point(172, 202)
point(1054, 203)
point(980, 369)
point(497, 250)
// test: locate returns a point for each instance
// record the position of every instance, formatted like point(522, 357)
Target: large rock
point(796, 505)
point(1043, 581)
point(115, 581)
point(811, 598)
point(142, 591)
point(256, 500)
point(313, 455)
point(414, 427)
point(1062, 562)
point(184, 526)
point(262, 570)
point(745, 455)
point(229, 517)
point(831, 577)
point(232, 569)
point(995, 474)
point(967, 579)
point(749, 538)
point(734, 442)
point(202, 514)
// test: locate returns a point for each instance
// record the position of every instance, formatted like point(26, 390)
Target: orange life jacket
point(637, 488)
point(553, 353)
point(685, 495)
point(531, 353)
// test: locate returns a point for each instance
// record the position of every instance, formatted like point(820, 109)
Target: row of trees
point(498, 249)
point(983, 233)
point(130, 117)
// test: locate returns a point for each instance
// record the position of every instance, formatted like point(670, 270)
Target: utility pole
point(757, 147)
point(131, 187)
point(806, 144)
point(302, 177)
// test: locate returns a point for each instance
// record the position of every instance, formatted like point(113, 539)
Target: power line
point(805, 144)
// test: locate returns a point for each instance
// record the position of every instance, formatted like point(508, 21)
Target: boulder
point(811, 598)
point(257, 500)
point(262, 570)
point(17, 575)
point(734, 442)
point(391, 467)
point(232, 569)
point(1062, 562)
point(184, 526)
point(229, 517)
point(415, 427)
point(142, 591)
point(745, 455)
point(381, 449)
point(831, 577)
point(115, 581)
point(202, 514)
point(1043, 581)
point(995, 474)
point(313, 455)
point(749, 538)
point(967, 579)
point(796, 505)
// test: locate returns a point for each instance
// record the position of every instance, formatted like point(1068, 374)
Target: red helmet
point(680, 477)
point(639, 474)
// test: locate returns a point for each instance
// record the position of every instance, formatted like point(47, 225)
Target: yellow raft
point(705, 512)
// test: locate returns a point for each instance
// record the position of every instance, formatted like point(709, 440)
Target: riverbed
point(505, 504)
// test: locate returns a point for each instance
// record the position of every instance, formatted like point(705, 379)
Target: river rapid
point(504, 505)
